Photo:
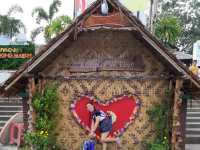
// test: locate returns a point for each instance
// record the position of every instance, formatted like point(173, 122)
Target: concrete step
point(8, 147)
point(6, 112)
point(192, 132)
point(193, 125)
point(193, 115)
point(189, 123)
point(193, 101)
point(192, 129)
point(189, 108)
point(192, 140)
point(10, 108)
point(192, 147)
point(192, 135)
point(193, 106)
point(193, 120)
point(5, 117)
point(10, 104)
point(193, 110)
point(2, 123)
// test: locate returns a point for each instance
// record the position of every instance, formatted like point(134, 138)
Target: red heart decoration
point(125, 108)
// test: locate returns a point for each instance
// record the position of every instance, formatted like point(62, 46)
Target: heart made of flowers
point(124, 107)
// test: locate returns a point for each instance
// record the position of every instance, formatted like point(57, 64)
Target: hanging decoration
point(104, 7)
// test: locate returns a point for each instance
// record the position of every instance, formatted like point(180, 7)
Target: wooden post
point(176, 122)
point(25, 112)
point(31, 113)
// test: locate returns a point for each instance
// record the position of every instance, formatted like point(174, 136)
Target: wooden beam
point(65, 78)
point(176, 122)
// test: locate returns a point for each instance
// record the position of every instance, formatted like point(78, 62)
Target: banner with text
point(12, 56)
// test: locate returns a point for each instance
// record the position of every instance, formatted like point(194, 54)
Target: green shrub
point(45, 105)
point(161, 117)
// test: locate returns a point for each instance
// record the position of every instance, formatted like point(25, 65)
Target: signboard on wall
point(12, 56)
point(101, 63)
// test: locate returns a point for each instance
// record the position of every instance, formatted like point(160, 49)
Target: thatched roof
point(71, 32)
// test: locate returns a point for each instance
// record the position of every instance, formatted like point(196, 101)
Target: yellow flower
point(165, 137)
point(41, 132)
point(163, 142)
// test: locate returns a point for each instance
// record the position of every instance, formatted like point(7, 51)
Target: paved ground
point(192, 146)
point(7, 147)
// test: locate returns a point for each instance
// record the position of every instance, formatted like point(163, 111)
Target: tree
point(188, 13)
point(168, 29)
point(57, 26)
point(54, 26)
point(9, 25)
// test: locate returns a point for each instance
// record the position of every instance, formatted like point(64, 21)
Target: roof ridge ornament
point(104, 7)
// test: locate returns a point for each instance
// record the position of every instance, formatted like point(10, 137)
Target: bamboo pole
point(176, 122)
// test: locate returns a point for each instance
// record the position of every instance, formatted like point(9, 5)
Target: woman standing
point(103, 121)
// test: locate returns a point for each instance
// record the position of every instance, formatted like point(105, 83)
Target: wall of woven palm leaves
point(70, 135)
point(101, 46)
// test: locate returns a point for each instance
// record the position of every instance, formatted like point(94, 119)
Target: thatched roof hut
point(107, 56)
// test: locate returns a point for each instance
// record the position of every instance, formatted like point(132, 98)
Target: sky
point(28, 6)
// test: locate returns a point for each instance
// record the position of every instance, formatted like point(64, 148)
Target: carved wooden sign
point(108, 64)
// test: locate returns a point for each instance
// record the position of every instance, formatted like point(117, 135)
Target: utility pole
point(152, 14)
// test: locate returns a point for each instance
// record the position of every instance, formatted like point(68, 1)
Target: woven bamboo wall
point(71, 135)
point(108, 45)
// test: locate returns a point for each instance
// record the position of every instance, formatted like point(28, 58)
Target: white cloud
point(29, 5)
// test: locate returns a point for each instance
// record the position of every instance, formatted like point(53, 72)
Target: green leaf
point(41, 14)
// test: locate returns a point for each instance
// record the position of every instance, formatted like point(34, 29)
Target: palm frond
point(36, 32)
point(41, 14)
point(53, 8)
